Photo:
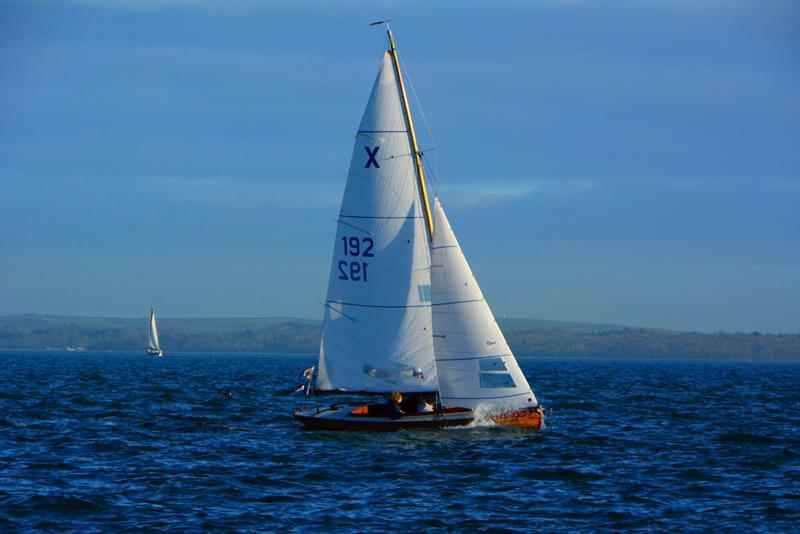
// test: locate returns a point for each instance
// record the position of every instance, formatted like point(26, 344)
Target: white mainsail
point(475, 364)
point(152, 338)
point(377, 331)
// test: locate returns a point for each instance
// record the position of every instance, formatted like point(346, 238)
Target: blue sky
point(619, 162)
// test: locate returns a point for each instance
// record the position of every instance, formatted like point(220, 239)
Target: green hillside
point(527, 337)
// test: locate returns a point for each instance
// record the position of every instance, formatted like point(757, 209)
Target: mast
point(412, 136)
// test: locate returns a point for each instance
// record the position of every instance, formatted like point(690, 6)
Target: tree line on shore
point(526, 337)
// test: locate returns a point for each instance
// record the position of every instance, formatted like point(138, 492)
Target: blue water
point(93, 442)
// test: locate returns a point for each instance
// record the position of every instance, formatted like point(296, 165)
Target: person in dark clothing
point(395, 411)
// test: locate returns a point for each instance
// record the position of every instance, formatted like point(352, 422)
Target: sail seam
point(473, 358)
point(402, 306)
point(488, 398)
point(456, 302)
point(379, 217)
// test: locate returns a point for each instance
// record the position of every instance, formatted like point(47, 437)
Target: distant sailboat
point(152, 338)
point(404, 313)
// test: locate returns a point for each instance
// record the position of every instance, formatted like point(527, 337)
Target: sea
point(97, 442)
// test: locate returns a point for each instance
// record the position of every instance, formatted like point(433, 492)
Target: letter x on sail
point(372, 160)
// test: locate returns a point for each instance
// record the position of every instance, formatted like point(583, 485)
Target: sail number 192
point(355, 270)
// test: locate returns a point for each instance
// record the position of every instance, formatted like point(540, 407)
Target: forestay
point(377, 332)
point(474, 362)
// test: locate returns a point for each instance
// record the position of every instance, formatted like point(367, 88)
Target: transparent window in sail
point(497, 380)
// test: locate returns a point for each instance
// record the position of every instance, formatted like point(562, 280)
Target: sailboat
point(152, 338)
point(404, 315)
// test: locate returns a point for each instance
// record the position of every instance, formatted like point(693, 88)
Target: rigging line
point(339, 221)
point(434, 174)
point(420, 173)
point(340, 312)
point(417, 102)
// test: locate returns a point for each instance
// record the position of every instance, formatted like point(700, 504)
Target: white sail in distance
point(152, 338)
point(377, 329)
point(475, 364)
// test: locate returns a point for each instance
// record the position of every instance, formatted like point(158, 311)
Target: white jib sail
point(475, 364)
point(152, 339)
point(377, 332)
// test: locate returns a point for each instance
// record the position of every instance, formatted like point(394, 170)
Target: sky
point(631, 163)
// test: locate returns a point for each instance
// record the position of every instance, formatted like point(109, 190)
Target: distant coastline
point(527, 337)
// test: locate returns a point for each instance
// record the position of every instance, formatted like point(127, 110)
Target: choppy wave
point(95, 442)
